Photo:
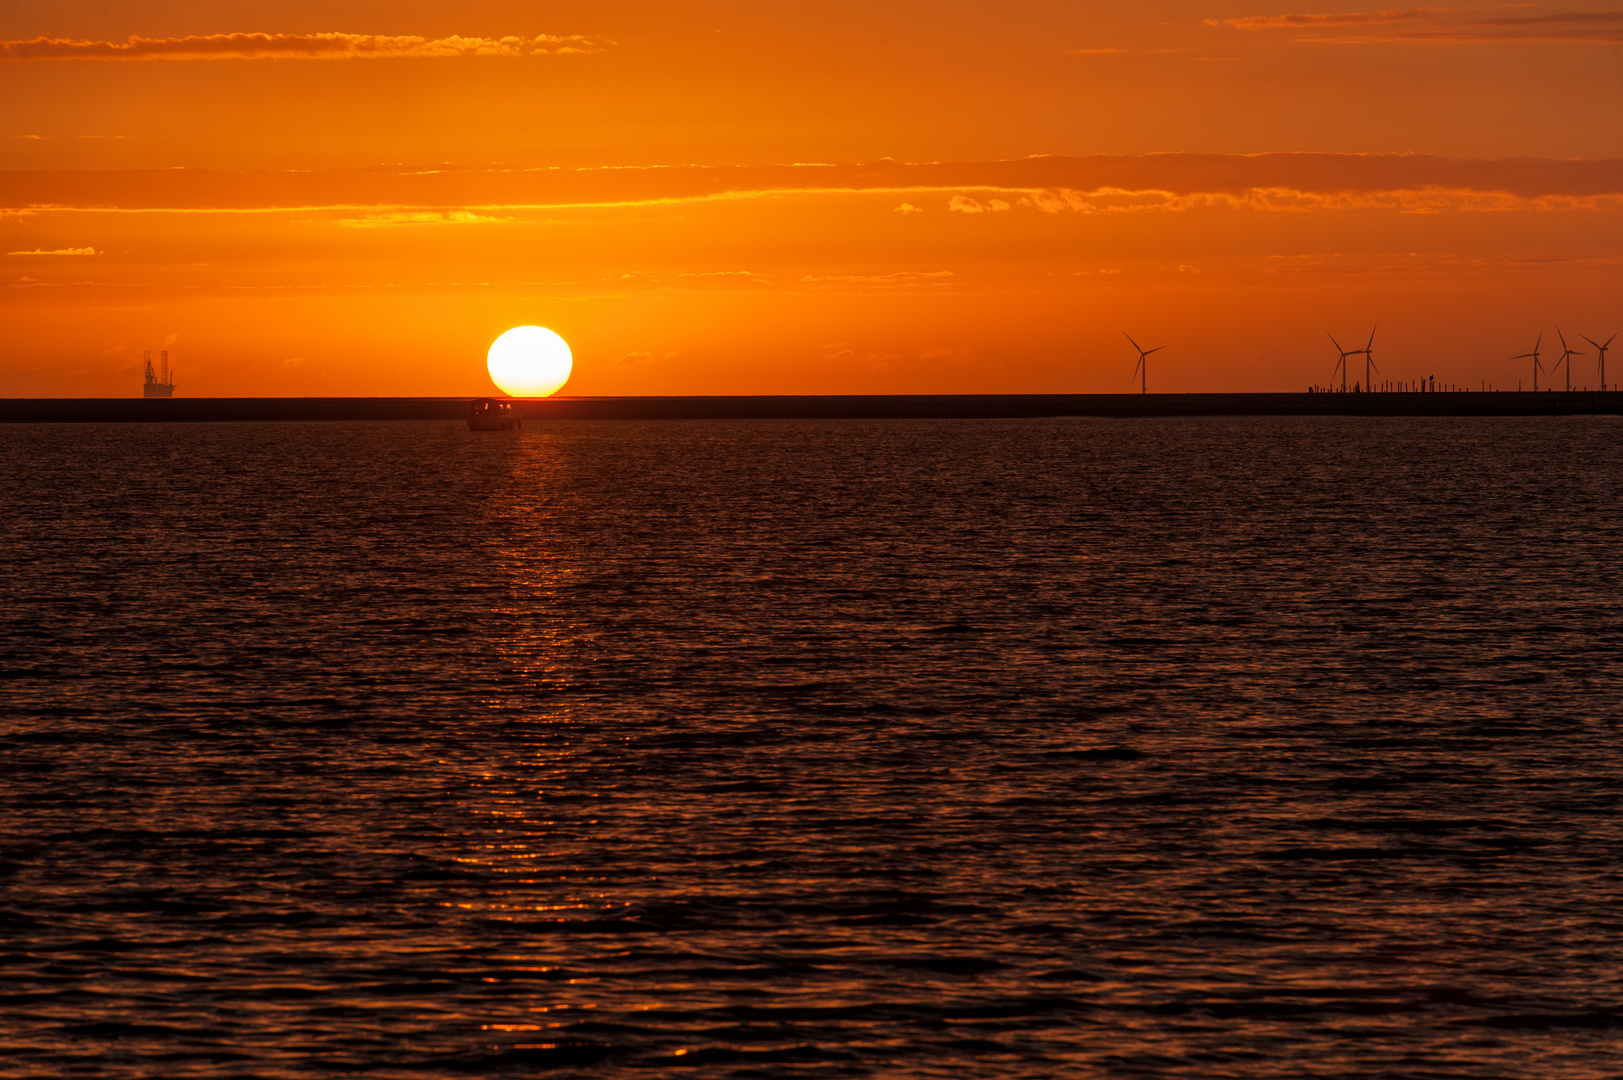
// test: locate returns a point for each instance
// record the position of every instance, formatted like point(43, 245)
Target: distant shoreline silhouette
point(1316, 402)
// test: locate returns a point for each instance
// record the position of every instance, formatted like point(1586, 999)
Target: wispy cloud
point(421, 217)
point(963, 204)
point(643, 356)
point(1610, 18)
point(1345, 18)
point(1416, 183)
point(257, 46)
point(1438, 25)
point(57, 251)
point(899, 278)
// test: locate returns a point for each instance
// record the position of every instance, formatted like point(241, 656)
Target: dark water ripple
point(1251, 748)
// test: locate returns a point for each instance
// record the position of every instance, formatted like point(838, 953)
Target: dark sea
point(1158, 748)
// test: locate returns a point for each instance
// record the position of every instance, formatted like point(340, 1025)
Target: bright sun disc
point(529, 361)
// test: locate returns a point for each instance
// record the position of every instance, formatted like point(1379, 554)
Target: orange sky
point(731, 197)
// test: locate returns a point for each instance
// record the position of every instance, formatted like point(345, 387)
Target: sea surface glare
point(1185, 748)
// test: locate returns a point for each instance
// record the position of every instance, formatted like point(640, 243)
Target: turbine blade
point(1129, 337)
point(1372, 336)
point(1609, 341)
point(1157, 349)
point(1336, 343)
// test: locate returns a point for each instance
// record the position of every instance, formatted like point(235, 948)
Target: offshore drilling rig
point(156, 387)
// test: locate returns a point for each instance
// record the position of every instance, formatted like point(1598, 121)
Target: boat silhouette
point(488, 414)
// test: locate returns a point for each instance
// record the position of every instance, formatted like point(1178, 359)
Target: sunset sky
point(717, 197)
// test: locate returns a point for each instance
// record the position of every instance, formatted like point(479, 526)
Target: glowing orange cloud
point(1346, 18)
point(1440, 26)
point(288, 46)
point(1050, 184)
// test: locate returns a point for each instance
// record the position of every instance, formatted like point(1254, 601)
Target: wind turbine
point(1143, 364)
point(1601, 349)
point(1537, 367)
point(1567, 353)
point(1369, 359)
point(1341, 364)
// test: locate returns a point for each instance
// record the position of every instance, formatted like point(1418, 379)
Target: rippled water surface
point(1204, 748)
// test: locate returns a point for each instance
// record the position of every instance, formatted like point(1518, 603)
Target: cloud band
point(288, 46)
point(1174, 176)
point(1439, 26)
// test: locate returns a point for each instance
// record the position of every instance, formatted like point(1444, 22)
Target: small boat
point(488, 414)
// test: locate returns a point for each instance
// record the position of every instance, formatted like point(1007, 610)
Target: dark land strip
point(829, 407)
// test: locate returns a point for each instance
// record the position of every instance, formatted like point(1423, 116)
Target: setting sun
point(530, 361)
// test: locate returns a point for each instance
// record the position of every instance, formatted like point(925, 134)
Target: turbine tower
point(1601, 349)
point(1369, 359)
point(1567, 353)
point(1537, 367)
point(1341, 363)
point(1143, 368)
